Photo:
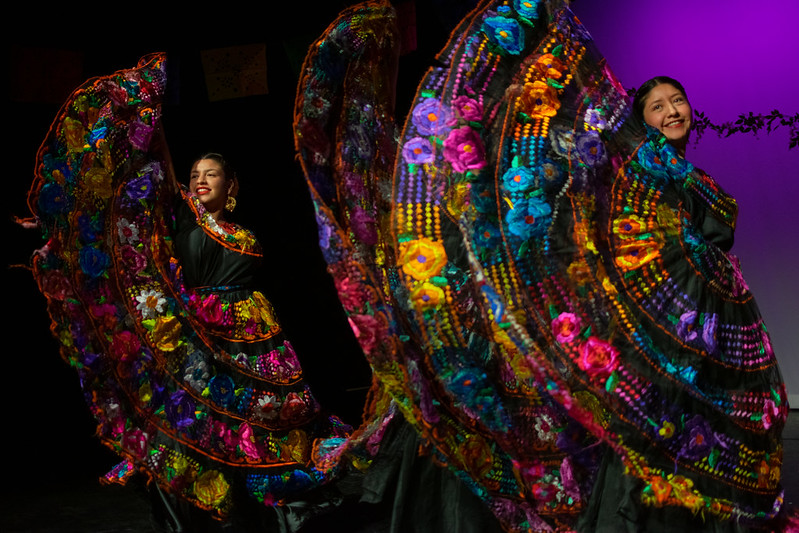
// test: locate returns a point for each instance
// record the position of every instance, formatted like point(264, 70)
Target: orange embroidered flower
point(539, 100)
point(427, 295)
point(422, 258)
point(636, 254)
point(628, 227)
point(549, 66)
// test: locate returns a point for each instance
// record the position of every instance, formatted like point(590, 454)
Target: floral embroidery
point(539, 99)
point(463, 149)
point(598, 358)
point(566, 327)
point(211, 488)
point(529, 217)
point(422, 258)
point(518, 179)
point(431, 117)
point(417, 151)
point(505, 32)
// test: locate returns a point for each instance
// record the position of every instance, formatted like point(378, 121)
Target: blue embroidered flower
point(688, 326)
point(93, 262)
point(431, 117)
point(90, 228)
point(709, 332)
point(140, 188)
point(222, 390)
point(180, 409)
point(486, 234)
point(483, 198)
point(52, 200)
point(526, 8)
point(660, 158)
point(518, 179)
point(505, 32)
point(591, 149)
point(529, 217)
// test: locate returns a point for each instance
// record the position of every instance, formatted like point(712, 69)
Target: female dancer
point(538, 271)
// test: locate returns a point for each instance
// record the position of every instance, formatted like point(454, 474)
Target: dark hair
point(230, 173)
point(643, 92)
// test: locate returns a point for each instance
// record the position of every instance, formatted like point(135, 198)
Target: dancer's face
point(209, 183)
point(667, 109)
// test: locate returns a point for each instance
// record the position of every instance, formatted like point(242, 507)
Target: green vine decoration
point(749, 123)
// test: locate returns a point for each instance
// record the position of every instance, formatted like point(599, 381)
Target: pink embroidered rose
point(464, 150)
point(248, 443)
point(566, 327)
point(468, 108)
point(368, 330)
point(598, 358)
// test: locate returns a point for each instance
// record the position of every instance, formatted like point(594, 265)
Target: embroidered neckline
point(226, 233)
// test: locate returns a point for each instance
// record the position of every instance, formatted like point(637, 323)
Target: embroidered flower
point(595, 118)
point(771, 413)
point(529, 217)
point(518, 179)
point(209, 308)
point(709, 332)
point(562, 142)
point(426, 295)
point(150, 303)
point(351, 293)
point(294, 408)
point(468, 108)
point(211, 488)
point(591, 149)
point(417, 151)
point(688, 326)
point(125, 344)
point(363, 225)
point(539, 100)
point(566, 327)
point(52, 200)
point(463, 149)
point(247, 442)
point(167, 333)
point(368, 330)
point(422, 258)
point(551, 172)
point(483, 199)
point(134, 440)
point(505, 32)
point(99, 182)
point(93, 262)
point(486, 234)
point(74, 134)
point(222, 391)
point(268, 407)
point(140, 135)
point(140, 188)
point(666, 429)
point(547, 66)
point(629, 226)
point(196, 373)
point(431, 117)
point(636, 254)
point(657, 492)
point(526, 8)
point(697, 439)
point(179, 409)
point(598, 358)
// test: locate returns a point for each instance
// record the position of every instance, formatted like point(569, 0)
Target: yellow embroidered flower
point(211, 488)
point(422, 258)
point(539, 100)
point(74, 134)
point(99, 182)
point(298, 447)
point(166, 333)
point(667, 220)
point(426, 295)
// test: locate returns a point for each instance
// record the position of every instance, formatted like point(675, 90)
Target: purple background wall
point(733, 57)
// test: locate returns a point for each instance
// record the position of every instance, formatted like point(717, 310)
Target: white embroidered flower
point(128, 233)
point(197, 375)
point(151, 303)
point(268, 407)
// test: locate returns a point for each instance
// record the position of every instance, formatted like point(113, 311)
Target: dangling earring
point(230, 204)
